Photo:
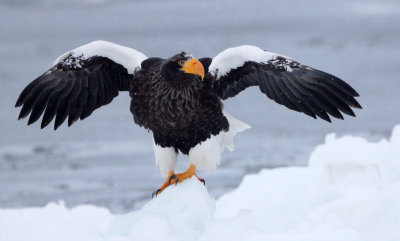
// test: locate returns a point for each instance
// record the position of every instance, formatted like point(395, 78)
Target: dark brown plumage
point(179, 108)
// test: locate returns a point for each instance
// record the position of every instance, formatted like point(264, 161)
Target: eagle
point(179, 99)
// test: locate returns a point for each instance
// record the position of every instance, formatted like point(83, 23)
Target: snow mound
point(350, 191)
point(181, 212)
point(54, 222)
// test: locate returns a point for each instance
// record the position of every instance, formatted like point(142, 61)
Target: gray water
point(106, 160)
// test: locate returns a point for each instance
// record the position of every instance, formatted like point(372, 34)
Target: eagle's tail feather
point(235, 126)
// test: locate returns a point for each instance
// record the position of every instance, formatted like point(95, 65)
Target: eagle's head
point(183, 67)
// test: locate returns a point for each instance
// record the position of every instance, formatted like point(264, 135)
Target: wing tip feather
point(18, 103)
point(30, 122)
point(22, 115)
point(44, 124)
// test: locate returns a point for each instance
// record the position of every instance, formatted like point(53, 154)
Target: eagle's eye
point(181, 62)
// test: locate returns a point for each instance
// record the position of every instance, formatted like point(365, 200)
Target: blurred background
point(107, 160)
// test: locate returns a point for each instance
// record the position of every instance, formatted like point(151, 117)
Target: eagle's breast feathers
point(180, 116)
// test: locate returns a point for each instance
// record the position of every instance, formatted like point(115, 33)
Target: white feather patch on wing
point(165, 158)
point(127, 57)
point(235, 57)
point(207, 154)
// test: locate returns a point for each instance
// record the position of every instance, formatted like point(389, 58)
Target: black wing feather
point(73, 90)
point(92, 97)
point(34, 95)
point(100, 91)
point(35, 86)
point(41, 102)
point(296, 86)
point(54, 103)
point(62, 113)
point(79, 103)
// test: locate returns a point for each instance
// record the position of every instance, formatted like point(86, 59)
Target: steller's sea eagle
point(179, 99)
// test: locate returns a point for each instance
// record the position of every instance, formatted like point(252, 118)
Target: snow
point(181, 212)
point(54, 222)
point(127, 57)
point(235, 57)
point(350, 191)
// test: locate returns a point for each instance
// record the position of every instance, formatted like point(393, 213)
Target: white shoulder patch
point(127, 57)
point(233, 58)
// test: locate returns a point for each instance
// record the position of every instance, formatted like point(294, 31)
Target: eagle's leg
point(177, 178)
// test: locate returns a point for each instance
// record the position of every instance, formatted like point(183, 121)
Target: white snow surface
point(350, 191)
point(127, 57)
point(235, 57)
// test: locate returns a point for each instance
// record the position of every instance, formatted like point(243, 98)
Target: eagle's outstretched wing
point(80, 81)
point(284, 80)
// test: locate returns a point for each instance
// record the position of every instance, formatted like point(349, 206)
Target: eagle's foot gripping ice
point(177, 178)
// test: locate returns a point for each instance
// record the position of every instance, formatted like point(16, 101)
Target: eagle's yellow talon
point(171, 178)
point(165, 185)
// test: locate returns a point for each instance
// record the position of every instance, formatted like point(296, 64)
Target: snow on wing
point(80, 81)
point(284, 80)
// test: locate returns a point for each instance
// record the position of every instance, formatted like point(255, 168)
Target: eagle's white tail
point(207, 154)
point(235, 126)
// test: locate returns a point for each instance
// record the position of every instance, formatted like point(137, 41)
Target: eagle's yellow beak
point(194, 66)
